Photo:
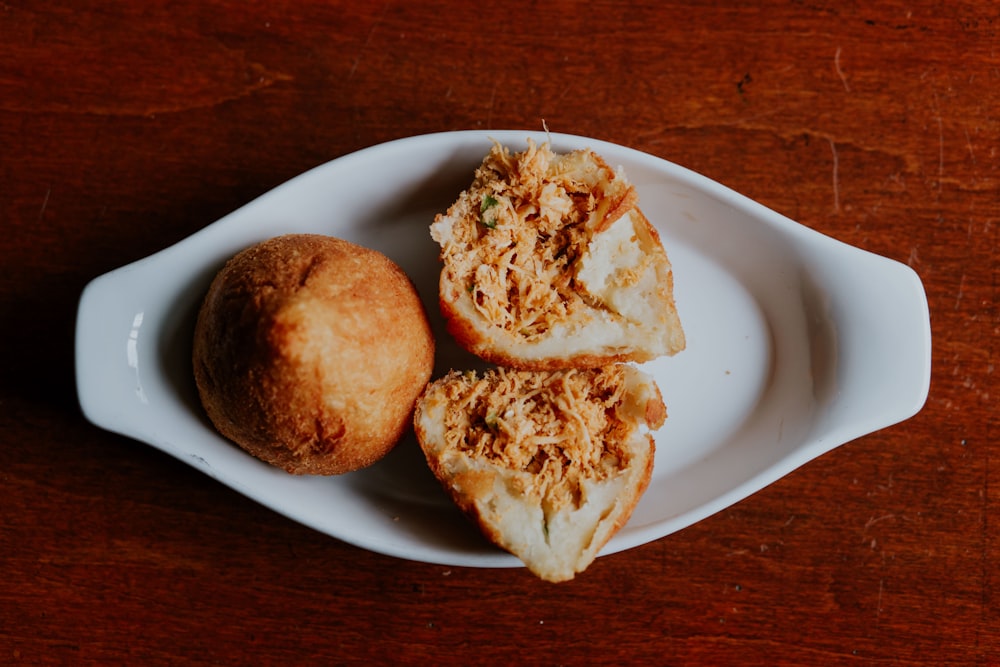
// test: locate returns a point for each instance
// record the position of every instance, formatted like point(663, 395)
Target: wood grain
point(125, 129)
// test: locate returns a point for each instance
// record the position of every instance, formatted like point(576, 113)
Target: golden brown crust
point(470, 338)
point(310, 351)
point(655, 413)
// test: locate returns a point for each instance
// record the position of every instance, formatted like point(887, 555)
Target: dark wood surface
point(125, 127)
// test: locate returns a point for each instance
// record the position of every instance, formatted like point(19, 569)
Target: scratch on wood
point(872, 521)
point(45, 204)
point(940, 152)
point(836, 176)
point(368, 39)
point(840, 72)
point(968, 144)
point(958, 293)
point(878, 603)
point(489, 111)
point(940, 123)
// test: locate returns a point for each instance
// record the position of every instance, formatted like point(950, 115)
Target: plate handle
point(870, 337)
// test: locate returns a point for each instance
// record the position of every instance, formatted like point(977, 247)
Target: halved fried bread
point(549, 263)
point(549, 464)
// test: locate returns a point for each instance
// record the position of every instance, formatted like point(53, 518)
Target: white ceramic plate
point(797, 343)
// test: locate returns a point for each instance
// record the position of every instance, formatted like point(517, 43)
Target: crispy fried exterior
point(310, 351)
point(549, 464)
point(548, 262)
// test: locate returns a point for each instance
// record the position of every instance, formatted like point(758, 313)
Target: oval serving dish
point(797, 343)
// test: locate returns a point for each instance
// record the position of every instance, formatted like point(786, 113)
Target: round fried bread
point(310, 351)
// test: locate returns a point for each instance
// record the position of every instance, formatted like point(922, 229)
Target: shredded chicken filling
point(527, 219)
point(562, 428)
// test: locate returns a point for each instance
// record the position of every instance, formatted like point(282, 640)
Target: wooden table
point(125, 127)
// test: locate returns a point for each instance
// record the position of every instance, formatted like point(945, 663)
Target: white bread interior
point(549, 263)
point(549, 464)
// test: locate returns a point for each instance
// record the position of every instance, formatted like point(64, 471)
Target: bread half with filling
point(549, 263)
point(548, 464)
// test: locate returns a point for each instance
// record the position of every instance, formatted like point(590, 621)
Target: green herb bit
point(489, 201)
